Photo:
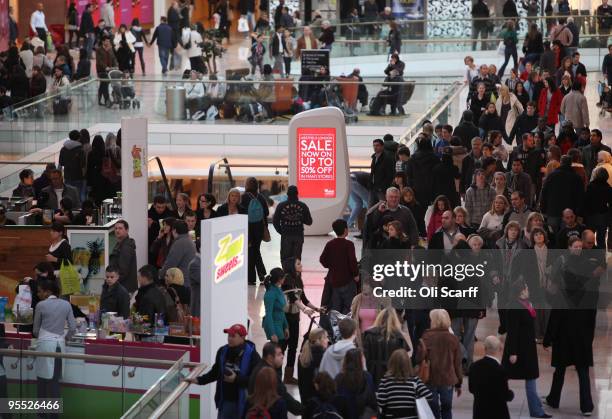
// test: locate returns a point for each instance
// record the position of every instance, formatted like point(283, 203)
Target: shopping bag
point(23, 301)
point(70, 281)
point(50, 46)
point(243, 25)
point(423, 409)
point(501, 48)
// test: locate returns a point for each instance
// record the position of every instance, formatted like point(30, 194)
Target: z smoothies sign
point(316, 162)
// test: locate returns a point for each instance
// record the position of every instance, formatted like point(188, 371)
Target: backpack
point(564, 8)
point(170, 305)
point(255, 210)
point(326, 411)
point(258, 413)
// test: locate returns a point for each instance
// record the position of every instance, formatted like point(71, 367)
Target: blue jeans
point(359, 199)
point(164, 53)
point(90, 39)
point(250, 16)
point(81, 186)
point(533, 400)
point(228, 410)
point(342, 297)
point(465, 329)
point(442, 402)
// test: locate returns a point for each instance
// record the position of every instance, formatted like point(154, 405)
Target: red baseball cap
point(236, 329)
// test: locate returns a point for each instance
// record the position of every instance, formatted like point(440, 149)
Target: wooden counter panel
point(20, 249)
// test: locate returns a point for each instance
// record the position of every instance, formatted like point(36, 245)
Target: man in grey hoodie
point(334, 355)
point(181, 252)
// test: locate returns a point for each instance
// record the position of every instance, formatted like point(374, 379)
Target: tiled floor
point(462, 407)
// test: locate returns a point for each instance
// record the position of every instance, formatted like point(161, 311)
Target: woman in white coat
point(124, 49)
point(50, 320)
point(508, 108)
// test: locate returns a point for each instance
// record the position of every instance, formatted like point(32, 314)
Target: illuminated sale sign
point(316, 162)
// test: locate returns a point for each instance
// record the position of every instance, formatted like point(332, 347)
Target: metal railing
point(178, 392)
point(432, 114)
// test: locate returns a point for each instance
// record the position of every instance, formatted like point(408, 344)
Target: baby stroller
point(605, 98)
point(122, 90)
point(328, 321)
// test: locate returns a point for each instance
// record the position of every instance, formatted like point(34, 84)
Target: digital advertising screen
point(316, 162)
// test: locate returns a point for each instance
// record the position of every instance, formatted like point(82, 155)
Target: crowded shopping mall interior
point(244, 209)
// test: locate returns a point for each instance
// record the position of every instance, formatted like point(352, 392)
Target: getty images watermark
point(476, 280)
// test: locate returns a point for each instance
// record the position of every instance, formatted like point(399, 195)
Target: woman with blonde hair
point(443, 351)
point(492, 222)
point(309, 361)
point(182, 205)
point(509, 108)
point(380, 340)
point(399, 389)
point(462, 219)
point(604, 159)
point(232, 204)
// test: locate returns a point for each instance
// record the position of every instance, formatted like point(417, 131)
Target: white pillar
point(224, 292)
point(134, 182)
point(319, 165)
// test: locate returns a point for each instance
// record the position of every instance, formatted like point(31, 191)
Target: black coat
point(598, 198)
point(123, 256)
point(377, 349)
point(489, 384)
point(570, 337)
point(562, 189)
point(420, 175)
point(491, 122)
point(419, 216)
point(381, 172)
point(306, 375)
point(63, 253)
point(115, 299)
point(466, 131)
point(468, 165)
point(444, 175)
point(150, 301)
point(520, 341)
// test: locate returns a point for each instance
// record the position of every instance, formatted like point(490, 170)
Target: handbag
point(424, 366)
point(423, 409)
point(243, 25)
point(266, 234)
point(501, 48)
point(70, 281)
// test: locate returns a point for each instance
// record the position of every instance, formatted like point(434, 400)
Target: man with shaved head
point(489, 383)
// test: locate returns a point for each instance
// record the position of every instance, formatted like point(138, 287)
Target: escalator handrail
point(211, 174)
point(165, 180)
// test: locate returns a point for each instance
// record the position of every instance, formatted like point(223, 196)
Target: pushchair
point(328, 321)
point(605, 98)
point(122, 90)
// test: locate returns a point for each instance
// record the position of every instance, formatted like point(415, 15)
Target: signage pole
point(224, 290)
point(134, 183)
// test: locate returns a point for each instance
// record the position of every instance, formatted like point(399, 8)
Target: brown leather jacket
point(444, 352)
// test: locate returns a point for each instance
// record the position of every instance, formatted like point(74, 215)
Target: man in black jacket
point(272, 357)
point(525, 123)
point(466, 130)
point(115, 297)
point(158, 211)
point(289, 220)
point(562, 189)
point(480, 13)
point(87, 30)
point(25, 188)
point(489, 383)
point(590, 152)
point(123, 256)
point(149, 300)
point(382, 170)
point(278, 47)
point(235, 364)
point(72, 160)
point(470, 163)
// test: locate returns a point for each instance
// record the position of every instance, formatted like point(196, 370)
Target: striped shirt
point(397, 399)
